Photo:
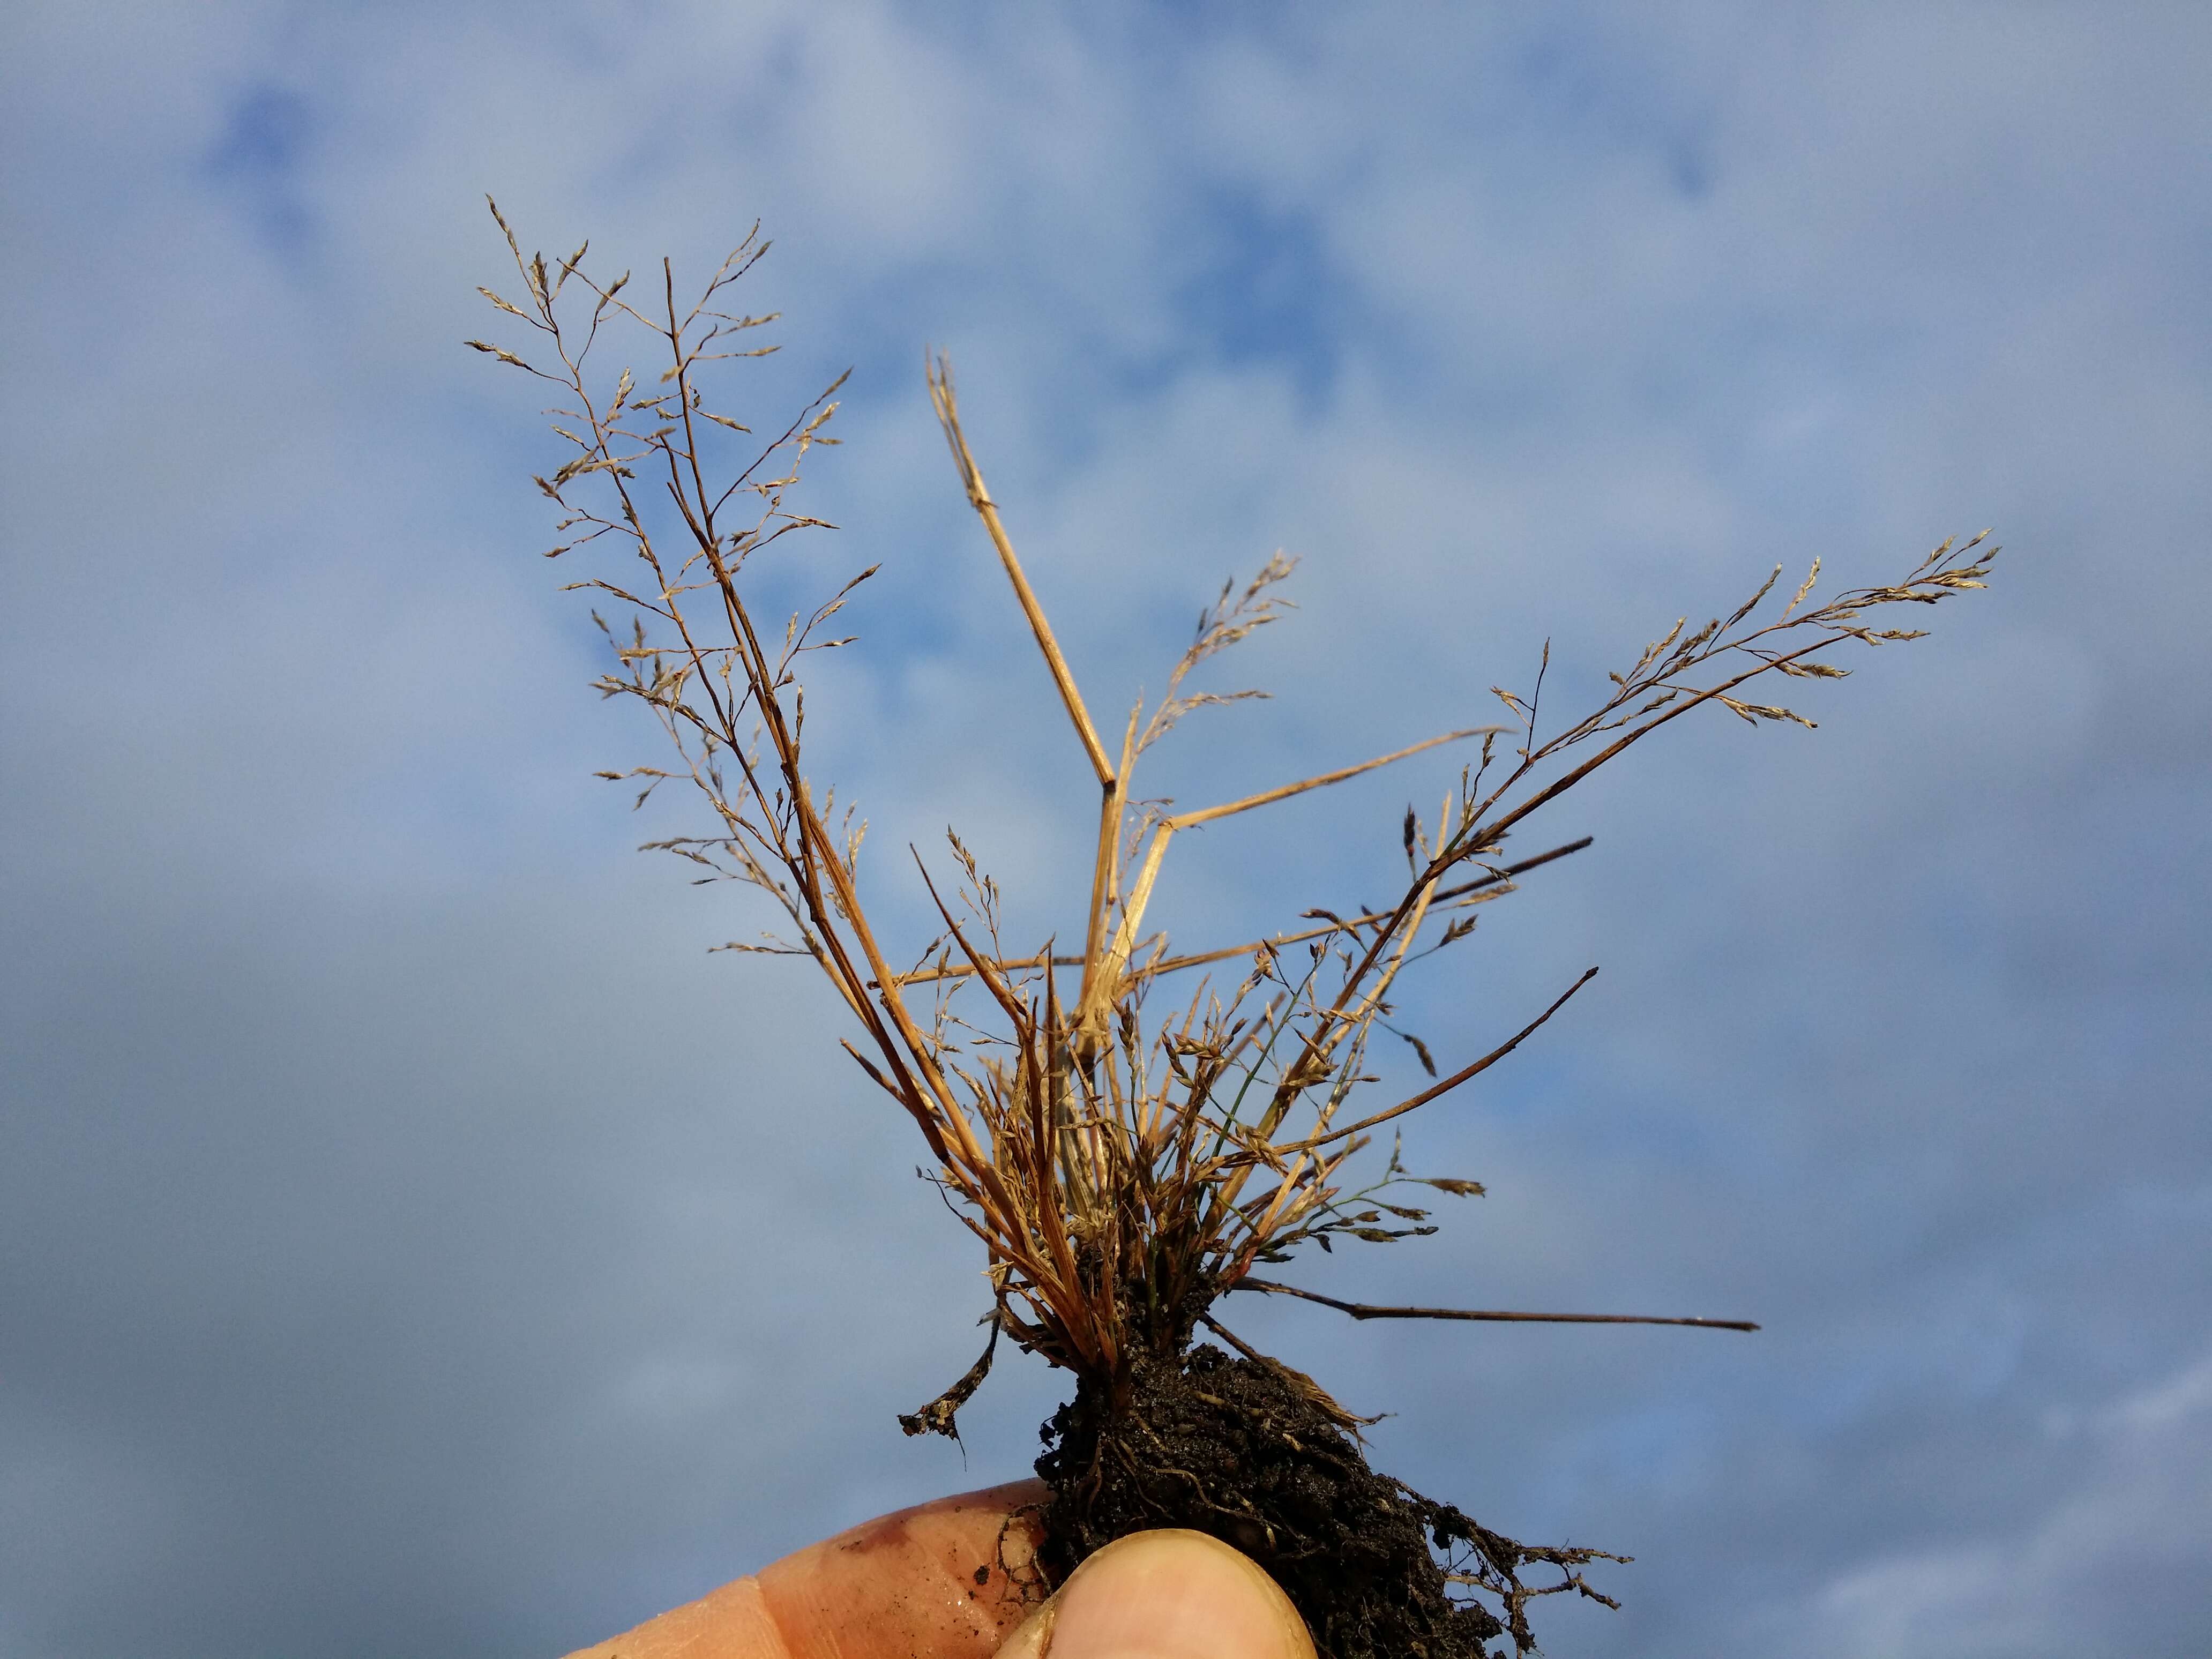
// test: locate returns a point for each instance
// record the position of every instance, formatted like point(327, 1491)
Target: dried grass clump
point(1127, 1154)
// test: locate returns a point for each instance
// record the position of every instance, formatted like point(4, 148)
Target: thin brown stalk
point(1370, 1310)
point(1269, 796)
point(948, 415)
point(1463, 1075)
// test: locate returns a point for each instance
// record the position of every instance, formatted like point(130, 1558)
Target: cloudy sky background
point(411, 1242)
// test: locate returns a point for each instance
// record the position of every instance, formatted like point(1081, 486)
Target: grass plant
point(1131, 1131)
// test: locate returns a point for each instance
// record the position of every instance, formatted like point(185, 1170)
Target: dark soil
point(1239, 1449)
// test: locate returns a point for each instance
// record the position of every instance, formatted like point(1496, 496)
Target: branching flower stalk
point(1126, 1152)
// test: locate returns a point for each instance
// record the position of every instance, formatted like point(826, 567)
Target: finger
point(1165, 1594)
point(927, 1581)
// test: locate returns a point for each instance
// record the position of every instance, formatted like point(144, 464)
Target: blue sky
point(411, 1240)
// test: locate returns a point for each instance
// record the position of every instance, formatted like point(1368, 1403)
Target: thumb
point(1165, 1594)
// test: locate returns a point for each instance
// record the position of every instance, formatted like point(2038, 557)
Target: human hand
point(933, 1582)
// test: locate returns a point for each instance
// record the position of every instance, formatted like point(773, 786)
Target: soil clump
point(1251, 1453)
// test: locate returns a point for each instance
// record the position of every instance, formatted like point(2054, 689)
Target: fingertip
point(930, 1580)
point(1165, 1594)
point(937, 1579)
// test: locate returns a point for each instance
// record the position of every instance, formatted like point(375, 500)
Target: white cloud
point(2136, 1517)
